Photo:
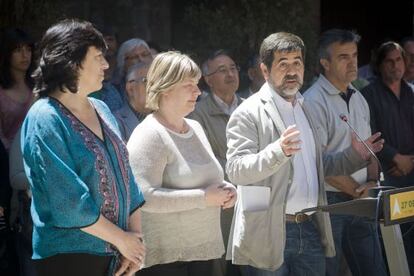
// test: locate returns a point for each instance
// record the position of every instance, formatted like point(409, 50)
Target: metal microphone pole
point(381, 174)
point(392, 236)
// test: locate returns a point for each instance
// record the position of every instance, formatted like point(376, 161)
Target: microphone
point(344, 118)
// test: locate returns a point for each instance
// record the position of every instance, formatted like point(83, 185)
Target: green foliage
point(241, 26)
point(32, 15)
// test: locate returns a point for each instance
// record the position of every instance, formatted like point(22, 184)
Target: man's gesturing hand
point(373, 142)
point(289, 141)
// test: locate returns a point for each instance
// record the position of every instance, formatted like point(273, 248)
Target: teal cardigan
point(75, 177)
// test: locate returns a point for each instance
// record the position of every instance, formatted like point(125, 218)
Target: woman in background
point(16, 97)
point(16, 84)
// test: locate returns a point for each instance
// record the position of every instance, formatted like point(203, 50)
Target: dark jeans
point(303, 254)
point(356, 238)
point(193, 268)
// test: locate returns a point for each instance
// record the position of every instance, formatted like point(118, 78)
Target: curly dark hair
point(62, 50)
point(10, 40)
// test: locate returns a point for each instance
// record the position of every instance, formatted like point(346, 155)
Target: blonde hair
point(167, 70)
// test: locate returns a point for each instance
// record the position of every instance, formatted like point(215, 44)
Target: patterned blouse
point(75, 177)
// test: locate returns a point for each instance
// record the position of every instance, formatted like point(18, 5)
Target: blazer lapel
point(271, 109)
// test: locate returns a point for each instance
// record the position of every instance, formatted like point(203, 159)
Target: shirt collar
point(282, 103)
point(224, 106)
point(347, 96)
point(331, 89)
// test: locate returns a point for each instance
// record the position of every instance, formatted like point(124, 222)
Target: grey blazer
point(214, 122)
point(254, 157)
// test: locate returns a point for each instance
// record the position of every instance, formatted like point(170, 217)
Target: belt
point(298, 218)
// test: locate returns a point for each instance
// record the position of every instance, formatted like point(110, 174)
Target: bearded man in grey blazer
point(271, 143)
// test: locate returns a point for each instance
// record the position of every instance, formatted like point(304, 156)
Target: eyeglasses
point(140, 80)
point(223, 70)
point(141, 57)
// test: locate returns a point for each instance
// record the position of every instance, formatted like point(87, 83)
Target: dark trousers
point(78, 264)
point(193, 268)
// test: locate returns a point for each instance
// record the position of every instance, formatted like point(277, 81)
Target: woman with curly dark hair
point(85, 203)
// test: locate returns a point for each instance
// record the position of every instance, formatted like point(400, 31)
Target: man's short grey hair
point(332, 36)
point(131, 70)
point(280, 42)
point(125, 48)
point(211, 57)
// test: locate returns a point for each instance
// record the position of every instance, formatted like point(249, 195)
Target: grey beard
point(288, 93)
point(283, 94)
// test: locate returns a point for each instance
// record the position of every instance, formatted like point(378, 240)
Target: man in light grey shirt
point(330, 97)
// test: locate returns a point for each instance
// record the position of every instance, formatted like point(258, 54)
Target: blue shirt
point(75, 177)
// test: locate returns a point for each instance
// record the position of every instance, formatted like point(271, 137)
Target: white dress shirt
point(303, 192)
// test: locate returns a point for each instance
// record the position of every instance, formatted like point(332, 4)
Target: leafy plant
point(241, 26)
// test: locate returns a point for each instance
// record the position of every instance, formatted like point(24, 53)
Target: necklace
point(183, 129)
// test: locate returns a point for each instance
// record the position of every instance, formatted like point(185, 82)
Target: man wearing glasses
point(133, 110)
point(221, 74)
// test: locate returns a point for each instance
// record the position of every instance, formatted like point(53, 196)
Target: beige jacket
point(254, 157)
point(214, 122)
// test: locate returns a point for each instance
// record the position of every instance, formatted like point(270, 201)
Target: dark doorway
point(375, 21)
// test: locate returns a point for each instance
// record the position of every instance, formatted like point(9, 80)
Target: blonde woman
point(181, 179)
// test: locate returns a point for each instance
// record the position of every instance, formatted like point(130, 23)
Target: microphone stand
point(373, 192)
